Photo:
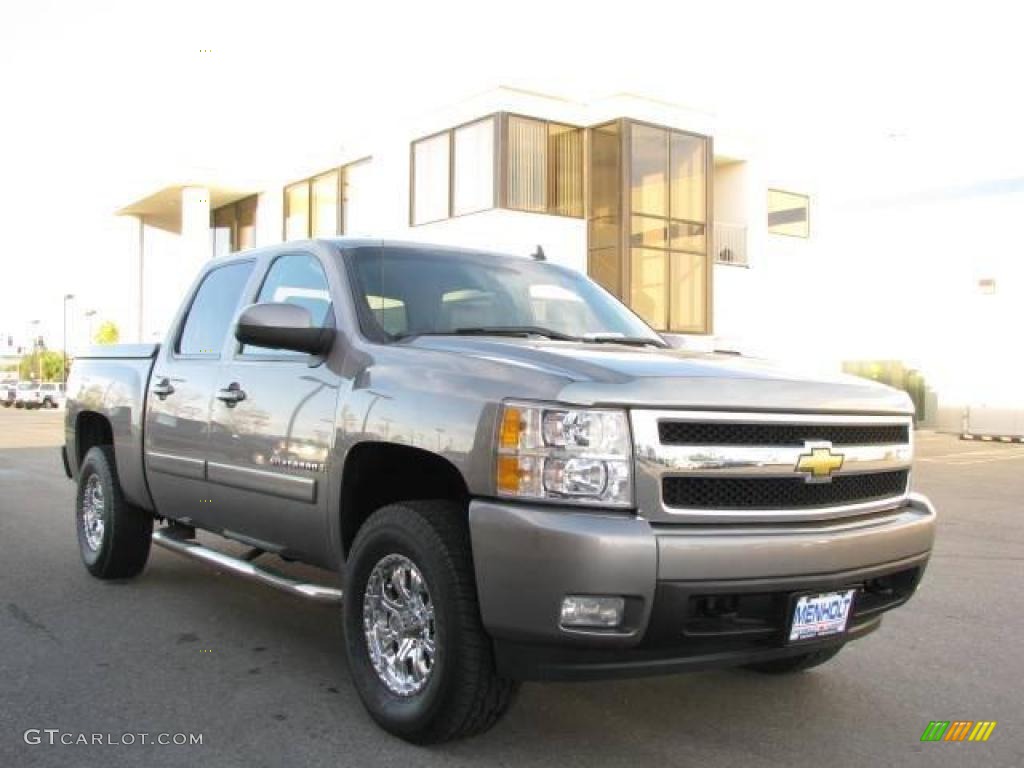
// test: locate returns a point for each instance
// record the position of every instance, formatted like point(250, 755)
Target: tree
point(43, 364)
point(107, 333)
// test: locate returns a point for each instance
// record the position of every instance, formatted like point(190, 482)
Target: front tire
point(113, 535)
point(420, 658)
point(793, 664)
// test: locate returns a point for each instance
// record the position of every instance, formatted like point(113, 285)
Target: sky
point(895, 105)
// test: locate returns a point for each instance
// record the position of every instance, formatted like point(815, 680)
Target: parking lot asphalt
point(262, 675)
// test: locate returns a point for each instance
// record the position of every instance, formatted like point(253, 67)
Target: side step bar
point(244, 568)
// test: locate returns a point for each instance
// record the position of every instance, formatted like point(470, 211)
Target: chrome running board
point(246, 569)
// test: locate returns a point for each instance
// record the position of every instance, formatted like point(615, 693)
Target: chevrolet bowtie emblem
point(819, 462)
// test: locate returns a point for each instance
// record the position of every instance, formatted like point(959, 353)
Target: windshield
point(27, 385)
point(411, 291)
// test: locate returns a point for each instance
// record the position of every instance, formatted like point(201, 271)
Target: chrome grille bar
point(774, 461)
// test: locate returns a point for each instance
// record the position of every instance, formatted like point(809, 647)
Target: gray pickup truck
point(517, 478)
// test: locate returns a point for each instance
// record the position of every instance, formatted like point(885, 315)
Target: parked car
point(9, 393)
point(52, 394)
point(47, 394)
point(24, 394)
point(519, 479)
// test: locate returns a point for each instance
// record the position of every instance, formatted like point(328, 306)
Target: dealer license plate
point(821, 615)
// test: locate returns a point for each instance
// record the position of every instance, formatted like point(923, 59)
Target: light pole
point(64, 352)
point(35, 349)
point(90, 314)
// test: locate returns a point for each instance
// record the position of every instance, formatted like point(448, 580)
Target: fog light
point(581, 611)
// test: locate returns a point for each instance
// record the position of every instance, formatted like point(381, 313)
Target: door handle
point(163, 388)
point(232, 395)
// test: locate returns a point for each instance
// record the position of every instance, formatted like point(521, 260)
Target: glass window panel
point(326, 219)
point(605, 192)
point(296, 211)
point(605, 268)
point(604, 232)
point(474, 167)
point(223, 230)
point(689, 294)
point(527, 145)
point(357, 203)
point(466, 289)
point(565, 170)
point(430, 179)
point(649, 169)
point(213, 309)
point(687, 236)
point(788, 213)
point(648, 231)
point(246, 222)
point(688, 178)
point(648, 272)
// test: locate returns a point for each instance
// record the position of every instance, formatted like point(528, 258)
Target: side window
point(213, 309)
point(296, 278)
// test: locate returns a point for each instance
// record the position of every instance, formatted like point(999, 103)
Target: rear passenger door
point(180, 392)
point(273, 421)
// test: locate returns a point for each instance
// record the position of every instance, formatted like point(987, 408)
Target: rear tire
point(113, 535)
point(461, 694)
point(794, 664)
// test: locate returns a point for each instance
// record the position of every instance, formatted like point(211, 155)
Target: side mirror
point(282, 326)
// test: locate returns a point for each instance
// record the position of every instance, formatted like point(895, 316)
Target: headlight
point(576, 455)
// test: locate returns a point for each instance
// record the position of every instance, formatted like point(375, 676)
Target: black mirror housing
point(283, 326)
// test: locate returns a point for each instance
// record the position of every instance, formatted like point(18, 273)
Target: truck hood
point(596, 374)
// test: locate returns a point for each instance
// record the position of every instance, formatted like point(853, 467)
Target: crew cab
point(516, 478)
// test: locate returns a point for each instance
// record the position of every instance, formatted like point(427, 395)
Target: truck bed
point(112, 381)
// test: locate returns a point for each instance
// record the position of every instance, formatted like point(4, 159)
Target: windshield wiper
point(497, 330)
point(633, 341)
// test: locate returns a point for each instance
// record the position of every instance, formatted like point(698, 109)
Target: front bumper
point(697, 596)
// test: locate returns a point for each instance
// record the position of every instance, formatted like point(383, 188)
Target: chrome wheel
point(92, 512)
point(398, 620)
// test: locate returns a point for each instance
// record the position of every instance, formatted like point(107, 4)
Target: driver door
point(272, 425)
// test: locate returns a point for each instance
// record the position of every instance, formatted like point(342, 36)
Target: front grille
point(729, 433)
point(718, 493)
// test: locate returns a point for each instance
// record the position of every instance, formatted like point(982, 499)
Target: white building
point(688, 221)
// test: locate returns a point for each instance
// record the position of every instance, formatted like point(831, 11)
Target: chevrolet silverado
point(516, 478)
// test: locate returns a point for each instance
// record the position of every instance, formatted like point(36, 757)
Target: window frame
point(768, 226)
point(626, 214)
point(450, 133)
point(626, 136)
point(234, 207)
point(499, 167)
point(340, 206)
point(584, 154)
point(495, 119)
point(252, 297)
point(496, 169)
point(179, 331)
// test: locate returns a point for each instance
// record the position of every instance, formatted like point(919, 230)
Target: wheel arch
point(379, 473)
point(91, 429)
